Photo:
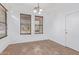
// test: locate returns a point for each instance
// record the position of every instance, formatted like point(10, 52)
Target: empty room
point(39, 28)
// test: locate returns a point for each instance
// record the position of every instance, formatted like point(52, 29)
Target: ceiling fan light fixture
point(40, 10)
point(37, 9)
point(39, 13)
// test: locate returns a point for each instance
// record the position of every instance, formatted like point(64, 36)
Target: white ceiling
point(43, 5)
point(46, 6)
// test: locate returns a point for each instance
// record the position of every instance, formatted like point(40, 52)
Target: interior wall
point(58, 29)
point(72, 21)
point(58, 25)
point(3, 43)
point(14, 26)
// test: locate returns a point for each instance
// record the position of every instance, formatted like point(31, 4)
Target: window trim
point(40, 25)
point(5, 11)
point(20, 25)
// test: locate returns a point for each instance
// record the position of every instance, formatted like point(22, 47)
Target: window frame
point(5, 11)
point(39, 25)
point(20, 24)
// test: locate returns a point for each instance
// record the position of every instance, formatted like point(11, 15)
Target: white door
point(72, 30)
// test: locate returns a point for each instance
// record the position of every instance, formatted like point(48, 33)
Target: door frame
point(66, 26)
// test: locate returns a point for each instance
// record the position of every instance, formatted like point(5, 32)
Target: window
point(3, 21)
point(25, 25)
point(38, 24)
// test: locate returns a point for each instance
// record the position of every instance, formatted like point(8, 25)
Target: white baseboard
point(27, 41)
